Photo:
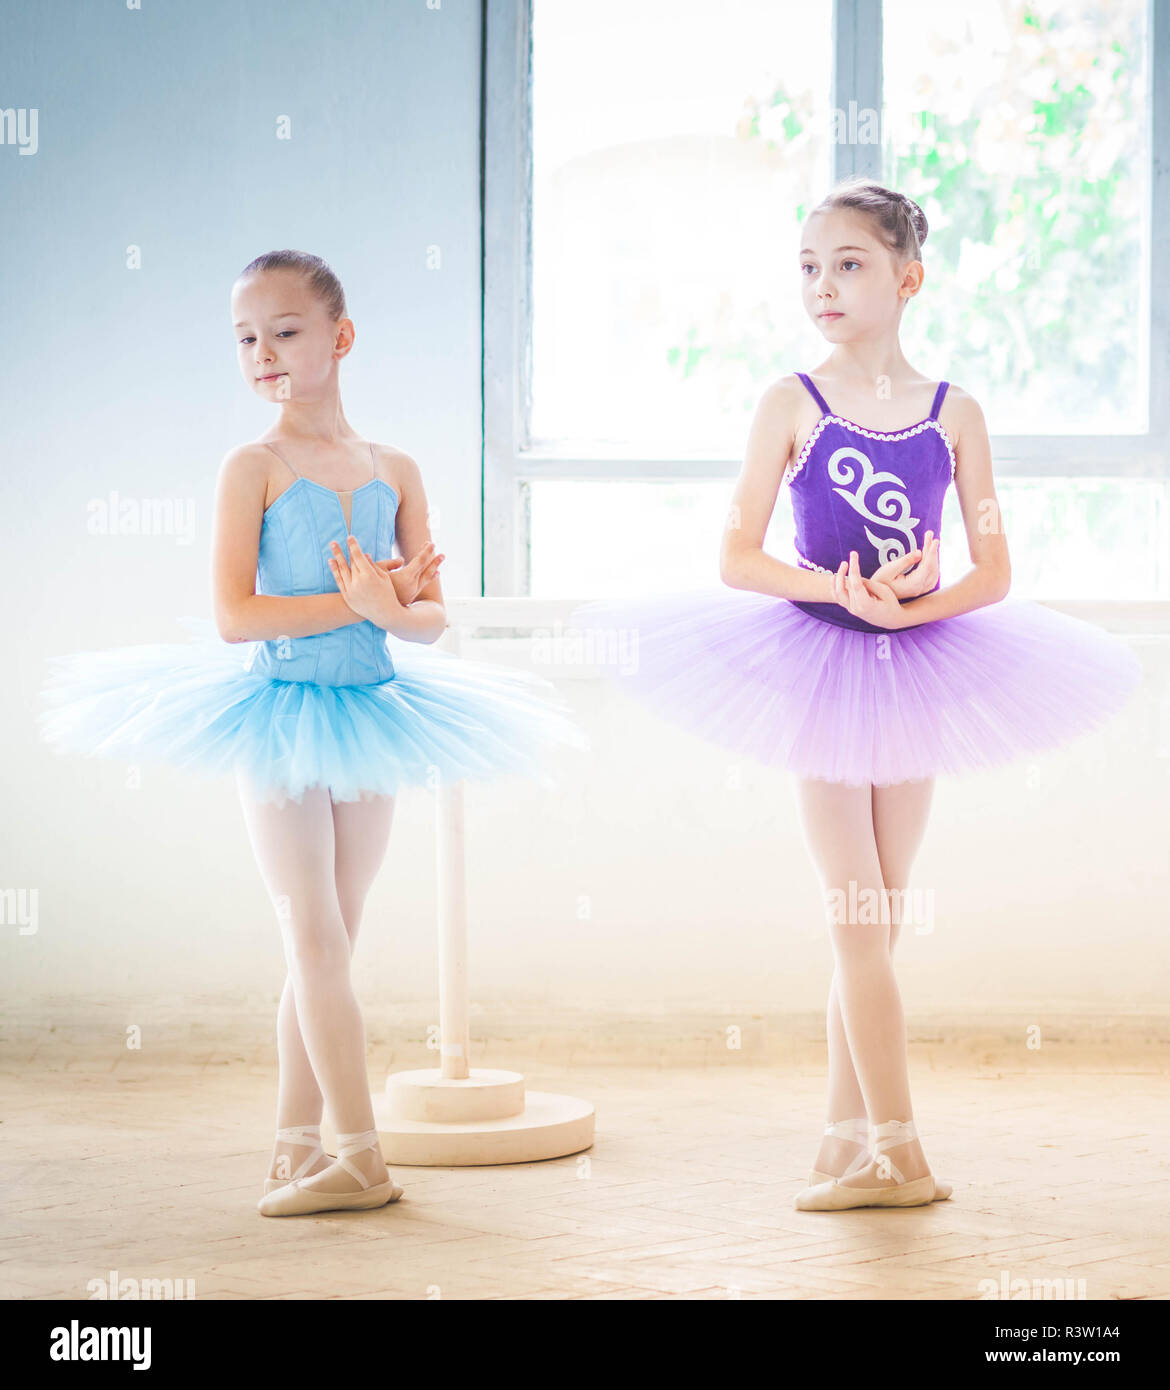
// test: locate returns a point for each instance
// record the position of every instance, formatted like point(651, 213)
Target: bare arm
point(242, 615)
point(425, 619)
point(743, 562)
point(990, 579)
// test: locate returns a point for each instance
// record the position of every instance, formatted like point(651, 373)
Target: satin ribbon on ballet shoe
point(295, 1199)
point(855, 1130)
point(298, 1134)
point(835, 1196)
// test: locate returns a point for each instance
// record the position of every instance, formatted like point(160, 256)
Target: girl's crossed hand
point(376, 590)
point(924, 577)
point(412, 576)
point(873, 599)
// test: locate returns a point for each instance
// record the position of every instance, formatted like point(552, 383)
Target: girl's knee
point(315, 939)
point(857, 904)
point(318, 954)
point(860, 943)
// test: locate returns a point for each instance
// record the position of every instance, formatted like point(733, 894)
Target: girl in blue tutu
point(852, 667)
point(317, 691)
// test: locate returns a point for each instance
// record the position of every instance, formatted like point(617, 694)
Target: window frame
point(510, 464)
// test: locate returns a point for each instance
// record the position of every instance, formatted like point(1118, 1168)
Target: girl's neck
point(316, 422)
point(860, 368)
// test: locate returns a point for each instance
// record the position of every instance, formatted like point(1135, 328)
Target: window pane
point(1081, 538)
point(676, 145)
point(1091, 538)
point(1020, 126)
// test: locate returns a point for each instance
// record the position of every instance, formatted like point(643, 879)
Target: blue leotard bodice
point(294, 559)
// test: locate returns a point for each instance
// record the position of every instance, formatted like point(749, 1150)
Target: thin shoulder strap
point(373, 461)
point(938, 399)
point(816, 395)
point(280, 456)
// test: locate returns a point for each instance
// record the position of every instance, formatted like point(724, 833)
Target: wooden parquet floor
point(687, 1193)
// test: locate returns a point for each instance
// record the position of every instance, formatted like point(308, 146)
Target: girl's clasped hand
point(878, 599)
point(376, 589)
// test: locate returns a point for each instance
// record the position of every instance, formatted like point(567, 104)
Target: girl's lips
point(274, 376)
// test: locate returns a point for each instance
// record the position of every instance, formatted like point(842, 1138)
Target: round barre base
point(545, 1126)
point(429, 1095)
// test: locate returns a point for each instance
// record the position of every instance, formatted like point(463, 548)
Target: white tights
point(318, 860)
point(868, 836)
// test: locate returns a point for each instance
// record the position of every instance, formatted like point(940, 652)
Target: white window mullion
point(507, 303)
point(1157, 248)
point(857, 79)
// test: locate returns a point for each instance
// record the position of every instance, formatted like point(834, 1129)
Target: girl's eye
point(289, 332)
point(850, 262)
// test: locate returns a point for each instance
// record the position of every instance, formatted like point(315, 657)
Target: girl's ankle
point(907, 1158)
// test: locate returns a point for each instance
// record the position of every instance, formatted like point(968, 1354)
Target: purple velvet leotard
point(874, 491)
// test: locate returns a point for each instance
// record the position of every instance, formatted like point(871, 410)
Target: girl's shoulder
point(396, 467)
point(246, 462)
point(960, 395)
point(785, 400)
point(786, 388)
point(960, 412)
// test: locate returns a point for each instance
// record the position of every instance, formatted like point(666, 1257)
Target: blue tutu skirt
point(196, 705)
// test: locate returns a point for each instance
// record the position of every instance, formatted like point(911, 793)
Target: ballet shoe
point(298, 1134)
point(942, 1190)
point(836, 1196)
point(295, 1199)
point(858, 1131)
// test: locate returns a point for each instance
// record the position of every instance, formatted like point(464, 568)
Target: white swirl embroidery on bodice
point(893, 506)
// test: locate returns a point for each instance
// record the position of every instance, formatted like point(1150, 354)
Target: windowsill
point(511, 622)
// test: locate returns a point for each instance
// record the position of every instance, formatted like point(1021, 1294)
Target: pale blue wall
point(157, 129)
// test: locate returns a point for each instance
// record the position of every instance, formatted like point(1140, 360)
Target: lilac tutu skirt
point(764, 679)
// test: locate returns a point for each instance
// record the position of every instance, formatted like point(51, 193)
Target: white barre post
point(454, 1114)
point(454, 1027)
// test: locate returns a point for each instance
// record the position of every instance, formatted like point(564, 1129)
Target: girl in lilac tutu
point(854, 667)
point(315, 688)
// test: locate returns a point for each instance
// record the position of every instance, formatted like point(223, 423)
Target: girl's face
point(850, 285)
point(288, 345)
